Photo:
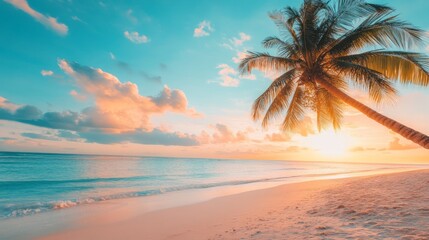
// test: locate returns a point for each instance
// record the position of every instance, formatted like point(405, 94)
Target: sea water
point(31, 183)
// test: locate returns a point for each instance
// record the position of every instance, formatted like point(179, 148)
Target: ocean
point(32, 183)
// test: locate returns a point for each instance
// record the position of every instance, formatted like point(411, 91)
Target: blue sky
point(167, 52)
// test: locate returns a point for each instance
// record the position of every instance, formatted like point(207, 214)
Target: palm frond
point(295, 112)
point(379, 88)
point(279, 103)
point(343, 15)
point(286, 25)
point(320, 53)
point(308, 27)
point(265, 62)
point(347, 11)
point(284, 49)
point(329, 109)
point(272, 91)
point(407, 67)
point(378, 29)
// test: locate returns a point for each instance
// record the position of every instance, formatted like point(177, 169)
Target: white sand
point(390, 206)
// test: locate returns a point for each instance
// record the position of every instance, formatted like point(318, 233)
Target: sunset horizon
point(177, 119)
point(214, 119)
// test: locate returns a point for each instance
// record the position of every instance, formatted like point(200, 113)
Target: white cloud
point(240, 56)
point(48, 21)
point(46, 73)
point(77, 19)
point(228, 76)
point(112, 56)
point(239, 41)
point(248, 77)
point(135, 37)
point(203, 29)
point(131, 17)
point(226, 45)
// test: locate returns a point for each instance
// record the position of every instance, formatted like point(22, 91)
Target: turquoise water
point(35, 182)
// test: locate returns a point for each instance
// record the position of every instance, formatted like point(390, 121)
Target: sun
point(330, 143)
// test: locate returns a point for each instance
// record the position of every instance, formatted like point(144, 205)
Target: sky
point(160, 78)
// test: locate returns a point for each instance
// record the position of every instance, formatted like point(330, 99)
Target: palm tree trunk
point(406, 132)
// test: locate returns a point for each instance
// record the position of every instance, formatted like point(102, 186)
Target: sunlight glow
point(330, 143)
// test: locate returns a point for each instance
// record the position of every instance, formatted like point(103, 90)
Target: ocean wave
point(35, 183)
point(20, 210)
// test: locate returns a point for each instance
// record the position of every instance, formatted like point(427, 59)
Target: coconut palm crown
point(324, 48)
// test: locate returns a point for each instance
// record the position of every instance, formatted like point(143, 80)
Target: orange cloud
point(223, 134)
point(396, 145)
point(77, 95)
point(48, 21)
point(278, 137)
point(118, 106)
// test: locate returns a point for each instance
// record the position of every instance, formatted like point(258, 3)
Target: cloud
point(77, 95)
point(295, 149)
point(120, 64)
point(7, 106)
point(163, 66)
point(240, 56)
point(235, 43)
point(222, 134)
point(155, 79)
point(396, 145)
point(248, 76)
point(204, 29)
point(32, 115)
point(40, 136)
point(112, 56)
point(229, 76)
point(278, 137)
point(154, 137)
point(131, 17)
point(48, 21)
point(237, 59)
point(120, 112)
point(361, 149)
point(69, 135)
point(239, 41)
point(73, 126)
point(77, 19)
point(136, 38)
point(46, 73)
point(111, 96)
point(124, 66)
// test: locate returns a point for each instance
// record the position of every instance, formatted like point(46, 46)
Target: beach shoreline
point(338, 208)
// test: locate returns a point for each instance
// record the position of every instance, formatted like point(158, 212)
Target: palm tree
point(326, 47)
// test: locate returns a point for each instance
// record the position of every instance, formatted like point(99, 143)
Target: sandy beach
point(386, 206)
